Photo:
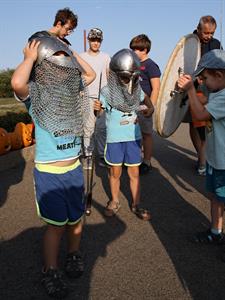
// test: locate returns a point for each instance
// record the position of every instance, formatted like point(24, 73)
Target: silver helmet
point(48, 49)
point(123, 91)
point(95, 33)
point(126, 64)
point(58, 92)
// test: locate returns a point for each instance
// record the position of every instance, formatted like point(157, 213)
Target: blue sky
point(164, 21)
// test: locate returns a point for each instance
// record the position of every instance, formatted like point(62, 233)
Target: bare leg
point(202, 154)
point(147, 143)
point(74, 266)
point(114, 179)
point(133, 173)
point(195, 138)
point(217, 210)
point(141, 213)
point(113, 205)
point(51, 241)
point(74, 236)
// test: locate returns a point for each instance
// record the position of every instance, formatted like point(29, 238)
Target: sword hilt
point(180, 72)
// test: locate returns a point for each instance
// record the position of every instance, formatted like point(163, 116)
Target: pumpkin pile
point(22, 136)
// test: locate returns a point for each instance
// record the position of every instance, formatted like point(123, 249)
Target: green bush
point(10, 119)
point(5, 83)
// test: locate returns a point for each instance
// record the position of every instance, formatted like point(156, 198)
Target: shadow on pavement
point(175, 219)
point(21, 259)
point(10, 175)
point(176, 161)
point(103, 174)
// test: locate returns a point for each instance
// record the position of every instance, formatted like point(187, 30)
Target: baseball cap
point(214, 59)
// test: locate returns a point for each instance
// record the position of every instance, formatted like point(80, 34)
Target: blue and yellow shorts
point(215, 182)
point(127, 153)
point(59, 193)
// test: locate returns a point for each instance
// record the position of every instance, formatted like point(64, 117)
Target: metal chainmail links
point(59, 99)
point(117, 96)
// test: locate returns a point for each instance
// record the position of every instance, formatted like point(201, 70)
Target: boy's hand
point(185, 82)
point(97, 105)
point(30, 50)
point(148, 107)
point(148, 112)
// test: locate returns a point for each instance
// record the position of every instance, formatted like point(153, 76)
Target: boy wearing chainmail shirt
point(49, 81)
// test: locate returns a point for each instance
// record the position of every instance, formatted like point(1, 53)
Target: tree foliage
point(5, 83)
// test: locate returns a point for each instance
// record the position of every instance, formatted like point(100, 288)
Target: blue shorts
point(215, 182)
point(59, 193)
point(127, 153)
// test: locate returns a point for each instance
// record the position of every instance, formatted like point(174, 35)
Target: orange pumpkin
point(4, 141)
point(15, 141)
point(22, 130)
point(30, 127)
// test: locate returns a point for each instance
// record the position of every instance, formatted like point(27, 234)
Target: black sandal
point(74, 267)
point(112, 208)
point(141, 213)
point(207, 237)
point(54, 283)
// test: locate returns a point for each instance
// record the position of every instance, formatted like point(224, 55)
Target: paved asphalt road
point(125, 257)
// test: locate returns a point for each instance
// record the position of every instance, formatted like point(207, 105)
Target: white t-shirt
point(100, 64)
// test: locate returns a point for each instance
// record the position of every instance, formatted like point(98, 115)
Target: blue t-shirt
point(120, 126)
point(149, 69)
point(215, 137)
point(50, 147)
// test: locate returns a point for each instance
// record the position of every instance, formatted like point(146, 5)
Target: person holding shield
point(211, 72)
point(205, 31)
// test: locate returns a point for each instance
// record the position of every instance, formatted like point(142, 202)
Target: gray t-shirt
point(100, 64)
point(215, 137)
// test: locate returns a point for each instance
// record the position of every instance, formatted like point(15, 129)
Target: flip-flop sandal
point(141, 213)
point(111, 210)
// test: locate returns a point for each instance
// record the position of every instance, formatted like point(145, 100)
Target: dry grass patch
point(12, 112)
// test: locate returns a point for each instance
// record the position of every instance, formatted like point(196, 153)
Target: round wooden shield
point(172, 103)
